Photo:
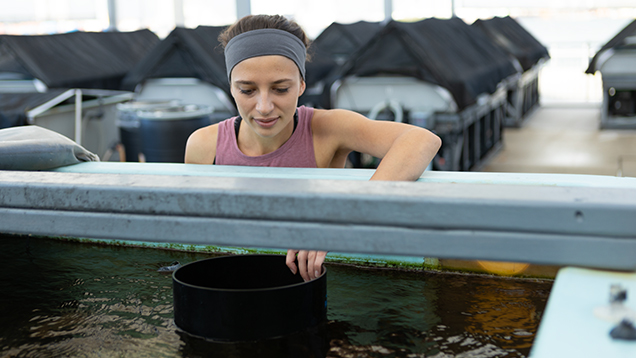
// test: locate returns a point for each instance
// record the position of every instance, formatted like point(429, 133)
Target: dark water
point(62, 299)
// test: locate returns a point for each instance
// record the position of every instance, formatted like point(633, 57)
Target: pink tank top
point(297, 152)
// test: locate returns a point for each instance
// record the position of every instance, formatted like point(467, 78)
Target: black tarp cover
point(343, 39)
point(334, 45)
point(514, 39)
point(618, 41)
point(318, 66)
point(446, 52)
point(77, 59)
point(184, 52)
point(13, 106)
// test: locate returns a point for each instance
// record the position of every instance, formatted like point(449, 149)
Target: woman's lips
point(266, 122)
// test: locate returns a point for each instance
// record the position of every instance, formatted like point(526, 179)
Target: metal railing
point(543, 219)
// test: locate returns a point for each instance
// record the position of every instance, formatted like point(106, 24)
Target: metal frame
point(523, 95)
point(111, 97)
point(472, 136)
point(563, 225)
point(56, 117)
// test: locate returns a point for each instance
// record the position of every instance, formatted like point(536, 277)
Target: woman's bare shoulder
point(333, 119)
point(201, 145)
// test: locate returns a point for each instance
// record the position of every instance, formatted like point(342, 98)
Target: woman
point(265, 61)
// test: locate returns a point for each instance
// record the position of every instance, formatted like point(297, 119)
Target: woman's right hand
point(309, 263)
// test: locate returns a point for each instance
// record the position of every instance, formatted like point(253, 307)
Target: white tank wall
point(361, 94)
point(617, 62)
point(188, 91)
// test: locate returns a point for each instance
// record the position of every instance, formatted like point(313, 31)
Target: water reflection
point(63, 299)
point(500, 315)
point(68, 299)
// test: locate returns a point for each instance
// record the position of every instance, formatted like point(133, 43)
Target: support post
point(388, 11)
point(243, 8)
point(112, 15)
point(179, 18)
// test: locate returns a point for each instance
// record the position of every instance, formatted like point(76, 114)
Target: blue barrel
point(164, 131)
point(128, 124)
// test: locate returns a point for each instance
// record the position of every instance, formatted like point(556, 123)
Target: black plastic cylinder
point(164, 132)
point(246, 298)
point(128, 124)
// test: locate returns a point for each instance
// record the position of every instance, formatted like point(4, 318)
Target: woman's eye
point(245, 91)
point(281, 90)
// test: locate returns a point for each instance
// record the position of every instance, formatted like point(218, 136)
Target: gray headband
point(264, 42)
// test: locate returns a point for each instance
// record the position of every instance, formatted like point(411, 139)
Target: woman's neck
point(252, 145)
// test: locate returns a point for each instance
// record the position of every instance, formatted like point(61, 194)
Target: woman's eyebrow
point(282, 80)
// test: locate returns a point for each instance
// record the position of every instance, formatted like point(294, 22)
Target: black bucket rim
point(274, 288)
point(258, 308)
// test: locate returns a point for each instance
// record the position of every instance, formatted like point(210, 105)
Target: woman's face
point(266, 90)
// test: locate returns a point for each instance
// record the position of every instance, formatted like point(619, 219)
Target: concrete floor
point(566, 139)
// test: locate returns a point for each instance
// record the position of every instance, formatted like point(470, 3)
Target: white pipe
point(394, 106)
point(48, 105)
point(78, 116)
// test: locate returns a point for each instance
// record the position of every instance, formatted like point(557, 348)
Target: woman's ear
point(302, 87)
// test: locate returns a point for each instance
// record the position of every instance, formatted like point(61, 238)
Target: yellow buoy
point(503, 268)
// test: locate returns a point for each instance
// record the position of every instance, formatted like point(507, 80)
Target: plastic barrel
point(246, 298)
point(165, 131)
point(128, 124)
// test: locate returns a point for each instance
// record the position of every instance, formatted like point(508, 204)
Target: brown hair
point(256, 22)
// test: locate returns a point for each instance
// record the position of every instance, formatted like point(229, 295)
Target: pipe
point(394, 106)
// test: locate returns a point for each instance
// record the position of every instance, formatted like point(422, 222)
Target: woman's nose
point(264, 104)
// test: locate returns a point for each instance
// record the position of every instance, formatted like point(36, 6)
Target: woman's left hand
point(309, 263)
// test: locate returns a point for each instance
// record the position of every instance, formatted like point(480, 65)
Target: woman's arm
point(408, 156)
point(405, 150)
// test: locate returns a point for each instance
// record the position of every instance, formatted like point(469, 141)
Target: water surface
point(61, 298)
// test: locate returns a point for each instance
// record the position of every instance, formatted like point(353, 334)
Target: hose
point(393, 105)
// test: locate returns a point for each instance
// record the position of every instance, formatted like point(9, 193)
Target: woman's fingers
point(309, 263)
point(311, 257)
point(290, 260)
point(318, 261)
point(302, 264)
